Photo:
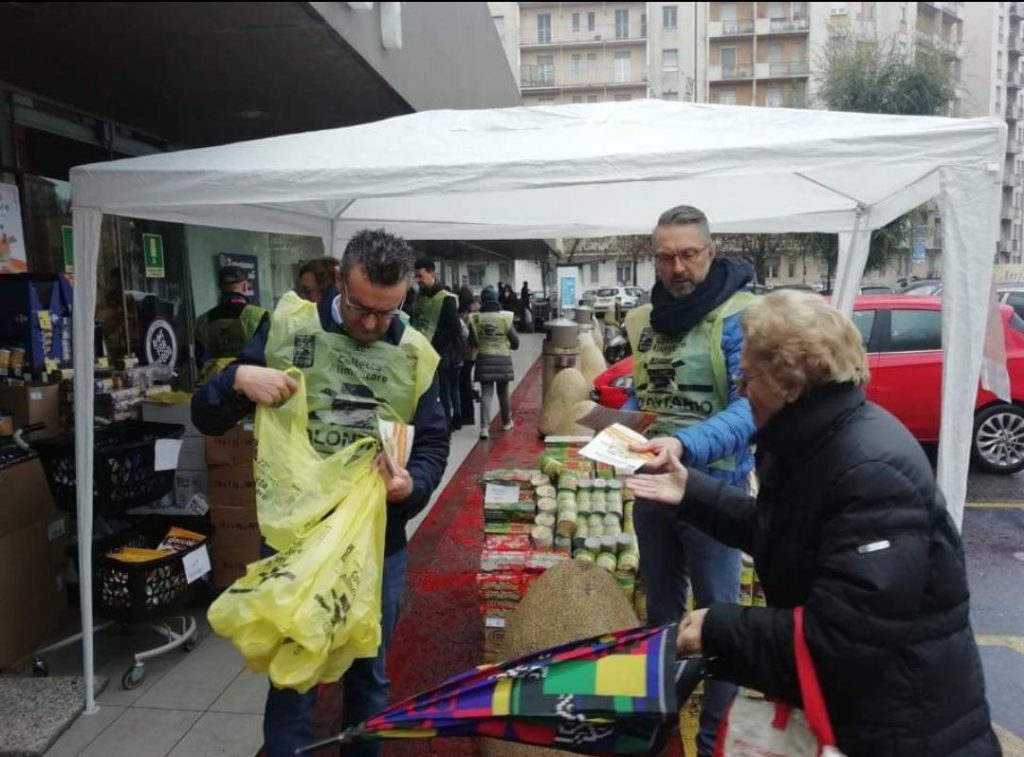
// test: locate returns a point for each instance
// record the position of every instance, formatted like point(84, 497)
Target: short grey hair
point(685, 215)
point(387, 259)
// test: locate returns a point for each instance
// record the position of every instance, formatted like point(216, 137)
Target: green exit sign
point(153, 250)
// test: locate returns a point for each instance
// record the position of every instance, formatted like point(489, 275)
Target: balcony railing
point(1015, 44)
point(1013, 146)
point(737, 27)
point(735, 72)
point(537, 76)
point(1013, 112)
point(789, 68)
point(547, 77)
point(1014, 80)
point(789, 25)
point(1008, 213)
point(1017, 10)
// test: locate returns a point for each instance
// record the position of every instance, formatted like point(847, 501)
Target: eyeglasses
point(364, 312)
point(742, 379)
point(687, 256)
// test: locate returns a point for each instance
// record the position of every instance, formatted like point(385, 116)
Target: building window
point(621, 67)
point(546, 100)
point(728, 11)
point(477, 273)
point(499, 24)
point(669, 60)
point(591, 98)
point(622, 23)
point(544, 27)
point(591, 25)
point(577, 99)
point(773, 97)
point(546, 70)
point(624, 272)
point(799, 10)
point(575, 22)
point(592, 64)
point(643, 26)
point(775, 52)
point(576, 67)
point(595, 272)
point(623, 98)
point(670, 94)
point(775, 11)
point(670, 16)
point(727, 97)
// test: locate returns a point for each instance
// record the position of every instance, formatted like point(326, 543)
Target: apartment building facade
point(993, 82)
point(765, 54)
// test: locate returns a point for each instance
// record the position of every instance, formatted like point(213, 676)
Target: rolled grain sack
point(592, 363)
point(569, 426)
point(570, 601)
point(568, 388)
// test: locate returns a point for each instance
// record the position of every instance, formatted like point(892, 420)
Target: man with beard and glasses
point(686, 346)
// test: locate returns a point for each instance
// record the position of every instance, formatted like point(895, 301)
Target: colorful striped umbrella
point(615, 694)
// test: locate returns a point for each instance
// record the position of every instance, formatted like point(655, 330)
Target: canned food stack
point(520, 543)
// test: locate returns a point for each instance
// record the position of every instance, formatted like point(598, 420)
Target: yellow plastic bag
point(304, 614)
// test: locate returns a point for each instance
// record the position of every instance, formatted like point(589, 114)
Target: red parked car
point(903, 338)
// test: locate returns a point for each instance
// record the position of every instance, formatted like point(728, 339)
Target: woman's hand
point(667, 488)
point(688, 641)
point(664, 447)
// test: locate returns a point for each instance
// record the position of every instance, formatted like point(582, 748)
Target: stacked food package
point(571, 508)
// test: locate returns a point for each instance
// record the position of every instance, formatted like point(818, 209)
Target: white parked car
point(606, 298)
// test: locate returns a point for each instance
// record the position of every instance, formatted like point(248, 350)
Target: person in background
point(467, 304)
point(435, 314)
point(362, 320)
point(848, 524)
point(223, 331)
point(686, 346)
point(316, 279)
point(492, 333)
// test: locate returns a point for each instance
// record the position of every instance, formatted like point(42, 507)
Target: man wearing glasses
point(358, 359)
point(686, 347)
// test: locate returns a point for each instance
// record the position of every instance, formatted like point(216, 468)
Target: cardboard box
point(236, 543)
point(231, 487)
point(34, 404)
point(27, 500)
point(235, 448)
point(30, 593)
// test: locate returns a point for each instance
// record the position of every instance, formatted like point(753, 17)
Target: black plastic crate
point(131, 592)
point(123, 474)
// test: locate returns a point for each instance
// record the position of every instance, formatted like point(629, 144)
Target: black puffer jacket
point(850, 524)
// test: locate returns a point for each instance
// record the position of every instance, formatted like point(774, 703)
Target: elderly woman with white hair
point(849, 525)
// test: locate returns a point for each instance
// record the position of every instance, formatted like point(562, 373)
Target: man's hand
point(264, 386)
point(688, 642)
point(665, 447)
point(669, 488)
point(398, 483)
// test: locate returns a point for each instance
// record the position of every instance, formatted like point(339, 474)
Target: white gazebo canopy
point(584, 171)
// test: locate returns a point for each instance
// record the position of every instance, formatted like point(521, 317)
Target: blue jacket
point(217, 407)
point(726, 433)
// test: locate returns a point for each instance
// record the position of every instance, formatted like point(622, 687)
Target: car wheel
point(997, 445)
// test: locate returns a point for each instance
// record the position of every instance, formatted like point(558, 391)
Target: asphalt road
point(993, 535)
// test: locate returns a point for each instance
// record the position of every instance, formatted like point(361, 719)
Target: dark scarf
point(677, 315)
